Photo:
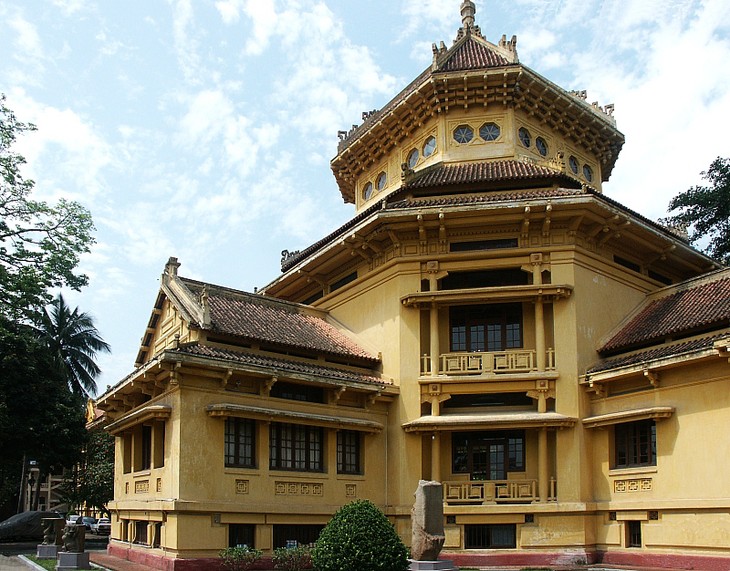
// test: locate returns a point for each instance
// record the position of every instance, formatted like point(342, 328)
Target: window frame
point(349, 452)
point(296, 447)
point(234, 437)
point(634, 444)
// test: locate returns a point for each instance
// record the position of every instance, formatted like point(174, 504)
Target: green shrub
point(240, 558)
point(359, 536)
point(292, 558)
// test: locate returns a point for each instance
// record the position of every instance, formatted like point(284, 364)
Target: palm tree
point(74, 342)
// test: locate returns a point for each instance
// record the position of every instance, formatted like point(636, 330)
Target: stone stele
point(427, 522)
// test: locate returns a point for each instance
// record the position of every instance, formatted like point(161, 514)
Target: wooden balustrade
point(488, 363)
point(482, 492)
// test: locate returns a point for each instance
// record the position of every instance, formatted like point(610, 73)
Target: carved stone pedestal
point(443, 565)
point(47, 551)
point(69, 560)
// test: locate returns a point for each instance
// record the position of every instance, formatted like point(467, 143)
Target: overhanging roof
point(311, 419)
point(489, 421)
point(655, 413)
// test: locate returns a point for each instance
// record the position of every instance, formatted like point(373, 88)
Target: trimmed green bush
point(292, 558)
point(360, 537)
point(239, 558)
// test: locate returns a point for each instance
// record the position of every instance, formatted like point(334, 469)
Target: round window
point(429, 146)
point(489, 131)
point(525, 137)
point(573, 163)
point(463, 134)
point(382, 181)
point(367, 192)
point(588, 173)
point(412, 158)
point(541, 146)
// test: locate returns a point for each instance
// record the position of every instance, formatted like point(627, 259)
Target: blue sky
point(203, 129)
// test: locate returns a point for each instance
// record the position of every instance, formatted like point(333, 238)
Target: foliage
point(92, 480)
point(292, 558)
point(40, 419)
point(359, 536)
point(73, 341)
point(706, 209)
point(239, 558)
point(40, 244)
point(49, 564)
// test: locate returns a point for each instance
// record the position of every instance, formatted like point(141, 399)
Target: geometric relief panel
point(298, 488)
point(242, 486)
point(142, 487)
point(634, 485)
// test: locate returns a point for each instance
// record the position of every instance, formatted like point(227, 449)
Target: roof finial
point(468, 9)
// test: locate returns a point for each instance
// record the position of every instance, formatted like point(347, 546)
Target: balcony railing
point(491, 363)
point(495, 491)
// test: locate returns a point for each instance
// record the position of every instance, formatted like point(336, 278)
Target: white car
point(102, 527)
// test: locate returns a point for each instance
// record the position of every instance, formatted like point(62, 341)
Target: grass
point(49, 564)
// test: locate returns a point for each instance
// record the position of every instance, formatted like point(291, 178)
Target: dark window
point(486, 327)
point(488, 455)
point(304, 393)
point(312, 298)
point(480, 400)
point(349, 452)
point(146, 448)
point(633, 534)
point(483, 245)
point(635, 444)
point(241, 534)
point(490, 536)
point(296, 447)
point(660, 278)
point(627, 263)
point(485, 278)
point(287, 534)
point(158, 534)
point(140, 532)
point(240, 442)
point(343, 281)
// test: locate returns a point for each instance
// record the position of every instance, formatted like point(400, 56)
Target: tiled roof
point(661, 352)
point(700, 305)
point(261, 319)
point(282, 365)
point(473, 55)
point(454, 200)
point(487, 171)
point(497, 196)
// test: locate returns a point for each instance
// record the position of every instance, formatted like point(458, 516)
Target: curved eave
point(653, 413)
point(507, 420)
point(487, 294)
point(310, 419)
point(138, 416)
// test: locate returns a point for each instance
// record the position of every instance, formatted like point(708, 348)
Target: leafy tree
point(706, 209)
point(73, 341)
point(40, 419)
point(359, 536)
point(92, 479)
point(40, 244)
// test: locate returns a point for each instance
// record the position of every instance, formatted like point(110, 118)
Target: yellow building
point(488, 319)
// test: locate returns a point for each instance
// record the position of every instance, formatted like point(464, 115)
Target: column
point(542, 464)
point(434, 335)
point(436, 456)
point(536, 261)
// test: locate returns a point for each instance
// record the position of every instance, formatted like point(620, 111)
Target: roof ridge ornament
point(468, 28)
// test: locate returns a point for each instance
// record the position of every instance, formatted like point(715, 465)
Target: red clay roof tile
point(700, 306)
point(283, 365)
point(265, 320)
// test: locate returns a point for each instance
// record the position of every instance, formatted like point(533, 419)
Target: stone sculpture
point(73, 538)
point(427, 523)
